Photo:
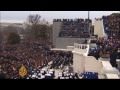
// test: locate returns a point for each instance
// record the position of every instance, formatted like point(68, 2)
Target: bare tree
point(36, 29)
point(32, 23)
point(33, 20)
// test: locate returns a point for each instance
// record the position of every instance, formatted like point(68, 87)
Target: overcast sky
point(20, 16)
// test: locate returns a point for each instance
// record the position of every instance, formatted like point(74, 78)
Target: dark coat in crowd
point(113, 57)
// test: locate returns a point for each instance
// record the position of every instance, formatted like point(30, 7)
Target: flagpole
point(88, 23)
point(88, 14)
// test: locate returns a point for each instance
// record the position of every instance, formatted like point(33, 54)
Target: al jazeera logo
point(22, 71)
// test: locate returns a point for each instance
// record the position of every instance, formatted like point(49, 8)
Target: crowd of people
point(14, 56)
point(77, 28)
point(61, 59)
point(106, 49)
point(32, 56)
point(112, 25)
point(35, 56)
